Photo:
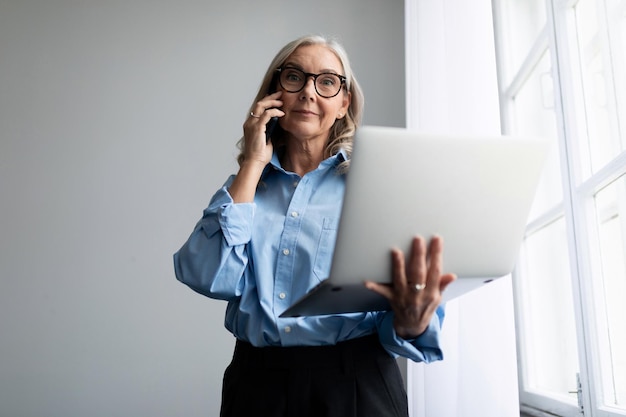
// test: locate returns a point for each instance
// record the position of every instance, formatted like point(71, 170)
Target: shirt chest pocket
point(325, 248)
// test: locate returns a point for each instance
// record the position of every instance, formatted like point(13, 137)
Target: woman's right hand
point(256, 148)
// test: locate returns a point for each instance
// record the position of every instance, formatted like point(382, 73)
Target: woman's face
point(309, 116)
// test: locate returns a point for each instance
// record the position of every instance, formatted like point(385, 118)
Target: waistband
point(358, 352)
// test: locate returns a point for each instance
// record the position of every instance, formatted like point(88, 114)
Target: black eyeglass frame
point(342, 80)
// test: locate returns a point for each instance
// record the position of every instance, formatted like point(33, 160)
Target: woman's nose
point(308, 91)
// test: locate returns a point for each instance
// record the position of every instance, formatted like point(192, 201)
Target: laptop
point(475, 192)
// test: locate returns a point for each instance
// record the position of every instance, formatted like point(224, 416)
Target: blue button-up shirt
point(263, 256)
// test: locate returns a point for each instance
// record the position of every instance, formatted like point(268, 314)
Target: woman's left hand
point(417, 286)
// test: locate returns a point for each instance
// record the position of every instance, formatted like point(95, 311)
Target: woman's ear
point(344, 106)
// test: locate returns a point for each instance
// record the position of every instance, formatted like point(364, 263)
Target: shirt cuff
point(424, 348)
point(235, 219)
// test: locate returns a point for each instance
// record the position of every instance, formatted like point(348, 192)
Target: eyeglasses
point(327, 84)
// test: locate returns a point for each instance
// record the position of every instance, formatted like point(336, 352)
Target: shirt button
point(282, 295)
point(295, 184)
point(287, 329)
point(294, 214)
point(285, 251)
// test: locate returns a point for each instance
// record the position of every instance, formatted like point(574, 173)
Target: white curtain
point(452, 88)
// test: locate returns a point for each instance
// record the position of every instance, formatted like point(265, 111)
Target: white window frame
point(577, 197)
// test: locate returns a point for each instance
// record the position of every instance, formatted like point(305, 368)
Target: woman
point(267, 238)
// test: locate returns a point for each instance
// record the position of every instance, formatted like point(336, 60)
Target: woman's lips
point(305, 112)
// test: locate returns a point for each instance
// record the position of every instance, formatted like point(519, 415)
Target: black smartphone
point(269, 127)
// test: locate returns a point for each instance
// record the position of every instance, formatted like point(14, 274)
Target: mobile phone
point(269, 127)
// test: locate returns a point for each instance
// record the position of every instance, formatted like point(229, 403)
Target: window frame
point(579, 187)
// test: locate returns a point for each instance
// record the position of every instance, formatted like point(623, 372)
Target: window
point(562, 75)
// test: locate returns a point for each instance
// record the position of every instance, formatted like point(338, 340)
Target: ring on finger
point(254, 115)
point(418, 287)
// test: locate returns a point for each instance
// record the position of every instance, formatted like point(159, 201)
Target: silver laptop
point(475, 192)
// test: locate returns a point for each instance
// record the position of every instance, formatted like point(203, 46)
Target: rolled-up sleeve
point(235, 221)
point(213, 260)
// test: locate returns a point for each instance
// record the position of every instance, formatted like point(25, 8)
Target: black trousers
point(356, 378)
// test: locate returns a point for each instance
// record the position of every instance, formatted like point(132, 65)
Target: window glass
point(549, 327)
point(525, 19)
point(616, 22)
point(600, 98)
point(534, 116)
point(611, 222)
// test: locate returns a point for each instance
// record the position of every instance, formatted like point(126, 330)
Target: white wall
point(118, 120)
point(451, 75)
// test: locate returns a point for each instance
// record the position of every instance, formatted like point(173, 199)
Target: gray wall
point(118, 120)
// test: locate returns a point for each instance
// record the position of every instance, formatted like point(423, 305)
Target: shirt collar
point(333, 160)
